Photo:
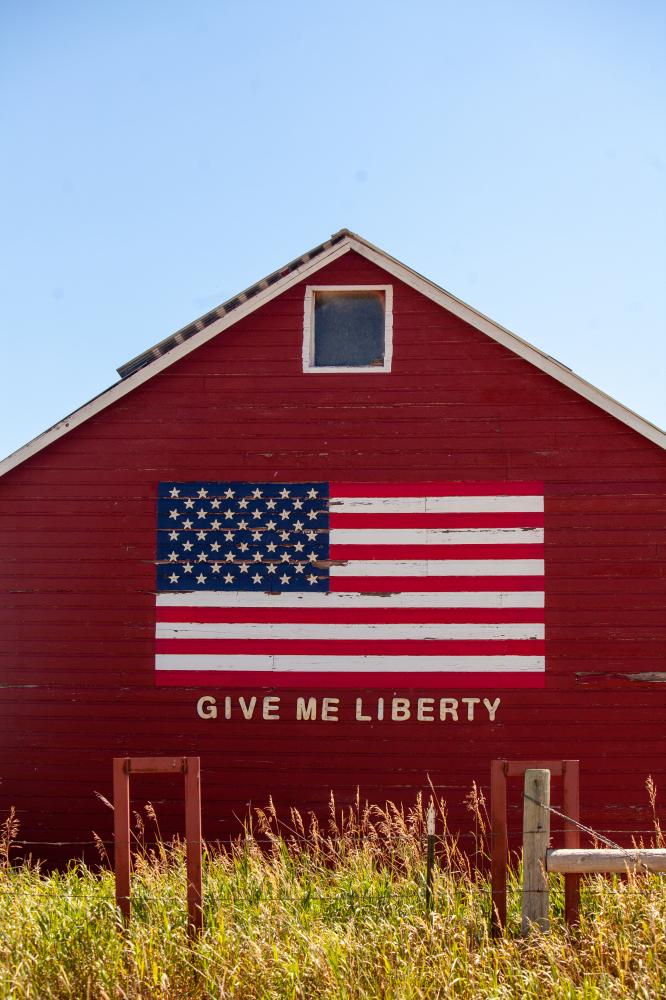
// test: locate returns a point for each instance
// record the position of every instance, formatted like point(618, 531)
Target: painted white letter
point(448, 706)
point(359, 712)
point(470, 702)
point(329, 709)
point(247, 710)
point(271, 707)
point(424, 705)
point(492, 709)
point(400, 709)
point(306, 710)
point(206, 707)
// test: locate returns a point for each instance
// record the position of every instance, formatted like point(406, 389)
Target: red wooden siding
point(77, 537)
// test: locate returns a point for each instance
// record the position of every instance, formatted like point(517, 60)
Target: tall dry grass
point(301, 910)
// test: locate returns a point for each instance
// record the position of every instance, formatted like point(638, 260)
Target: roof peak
point(142, 368)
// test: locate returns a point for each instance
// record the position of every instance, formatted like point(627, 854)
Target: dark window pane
point(349, 328)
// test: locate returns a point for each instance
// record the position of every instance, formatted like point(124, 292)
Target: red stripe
point(440, 489)
point(409, 584)
point(300, 680)
point(351, 616)
point(354, 647)
point(436, 551)
point(518, 520)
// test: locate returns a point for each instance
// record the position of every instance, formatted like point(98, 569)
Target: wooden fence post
point(121, 829)
point(430, 858)
point(536, 839)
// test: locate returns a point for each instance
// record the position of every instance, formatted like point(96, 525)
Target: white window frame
point(309, 329)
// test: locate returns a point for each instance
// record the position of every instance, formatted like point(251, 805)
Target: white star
point(174, 578)
point(187, 523)
point(298, 546)
point(256, 578)
point(298, 504)
point(242, 525)
point(201, 535)
point(243, 567)
point(256, 514)
point(188, 567)
point(257, 556)
point(202, 557)
point(298, 526)
point(174, 492)
point(189, 504)
point(271, 567)
point(201, 578)
point(284, 535)
point(173, 535)
point(284, 578)
point(202, 513)
point(215, 504)
point(215, 524)
point(270, 525)
point(270, 504)
point(215, 567)
point(173, 557)
point(312, 494)
point(229, 494)
point(312, 578)
point(271, 547)
point(228, 536)
point(312, 557)
point(285, 557)
point(312, 514)
point(215, 547)
point(187, 546)
point(229, 514)
point(228, 578)
point(312, 536)
point(256, 494)
point(229, 557)
point(173, 514)
point(285, 515)
point(284, 493)
point(256, 536)
point(243, 546)
point(202, 494)
point(299, 567)
point(243, 504)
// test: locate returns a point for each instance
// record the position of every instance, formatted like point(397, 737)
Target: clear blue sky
point(159, 156)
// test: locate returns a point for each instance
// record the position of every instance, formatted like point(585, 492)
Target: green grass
point(299, 911)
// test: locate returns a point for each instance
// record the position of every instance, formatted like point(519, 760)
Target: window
point(347, 328)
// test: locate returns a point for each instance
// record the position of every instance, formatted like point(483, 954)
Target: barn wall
point(77, 536)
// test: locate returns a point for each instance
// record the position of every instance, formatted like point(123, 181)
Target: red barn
point(342, 531)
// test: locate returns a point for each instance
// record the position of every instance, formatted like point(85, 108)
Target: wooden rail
point(602, 860)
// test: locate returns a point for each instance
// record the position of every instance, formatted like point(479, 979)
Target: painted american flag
point(349, 584)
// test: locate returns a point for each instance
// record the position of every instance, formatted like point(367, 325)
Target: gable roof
point(154, 360)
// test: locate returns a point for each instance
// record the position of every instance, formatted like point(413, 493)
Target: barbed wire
point(588, 829)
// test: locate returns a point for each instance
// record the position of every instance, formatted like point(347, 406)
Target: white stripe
point(246, 599)
point(353, 664)
point(439, 567)
point(435, 536)
point(434, 505)
point(285, 630)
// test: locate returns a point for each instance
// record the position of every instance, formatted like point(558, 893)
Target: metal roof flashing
point(166, 345)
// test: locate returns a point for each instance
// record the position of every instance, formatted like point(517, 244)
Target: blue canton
point(243, 536)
